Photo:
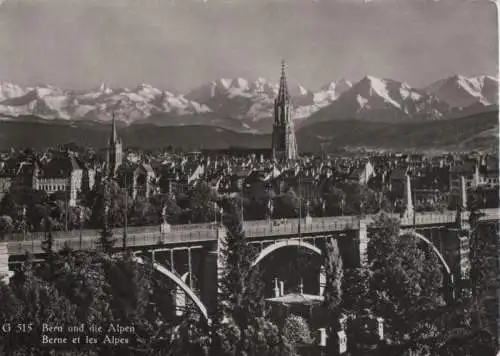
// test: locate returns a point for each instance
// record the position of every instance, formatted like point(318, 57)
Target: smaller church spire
point(114, 135)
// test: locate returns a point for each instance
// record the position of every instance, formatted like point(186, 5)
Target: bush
point(296, 330)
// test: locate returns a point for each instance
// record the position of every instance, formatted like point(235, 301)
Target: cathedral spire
point(284, 145)
point(283, 90)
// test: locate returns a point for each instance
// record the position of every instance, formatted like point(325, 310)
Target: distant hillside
point(478, 132)
point(39, 135)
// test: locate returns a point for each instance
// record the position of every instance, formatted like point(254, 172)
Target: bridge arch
point(180, 283)
point(299, 243)
point(431, 245)
point(277, 245)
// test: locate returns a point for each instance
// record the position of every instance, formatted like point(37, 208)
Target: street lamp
point(25, 222)
point(125, 214)
point(80, 222)
point(241, 201)
point(300, 206)
point(216, 210)
point(270, 209)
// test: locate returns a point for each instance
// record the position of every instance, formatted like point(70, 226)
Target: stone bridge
point(192, 251)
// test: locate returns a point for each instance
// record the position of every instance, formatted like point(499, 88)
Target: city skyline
point(178, 46)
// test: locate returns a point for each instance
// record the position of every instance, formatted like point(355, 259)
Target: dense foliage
point(242, 327)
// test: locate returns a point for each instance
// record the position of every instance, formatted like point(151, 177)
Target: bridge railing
point(133, 240)
point(202, 226)
point(295, 228)
point(253, 228)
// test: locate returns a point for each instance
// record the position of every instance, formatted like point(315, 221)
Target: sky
point(180, 44)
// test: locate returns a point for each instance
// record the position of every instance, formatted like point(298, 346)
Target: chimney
point(282, 288)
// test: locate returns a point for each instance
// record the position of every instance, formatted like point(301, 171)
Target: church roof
point(60, 167)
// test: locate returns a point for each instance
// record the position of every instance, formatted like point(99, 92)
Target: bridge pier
point(362, 240)
point(212, 272)
point(353, 246)
point(457, 249)
point(322, 280)
point(5, 273)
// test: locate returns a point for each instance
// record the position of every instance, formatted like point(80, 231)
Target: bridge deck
point(179, 234)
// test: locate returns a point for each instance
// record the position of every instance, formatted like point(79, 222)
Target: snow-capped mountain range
point(253, 102)
point(244, 105)
point(130, 105)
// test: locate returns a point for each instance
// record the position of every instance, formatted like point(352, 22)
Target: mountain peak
point(461, 91)
point(224, 82)
point(369, 77)
point(240, 83)
point(104, 88)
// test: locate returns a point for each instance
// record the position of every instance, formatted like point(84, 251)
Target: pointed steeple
point(284, 145)
point(283, 90)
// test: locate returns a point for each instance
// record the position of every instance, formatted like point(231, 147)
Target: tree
point(47, 244)
point(261, 338)
point(106, 200)
point(355, 290)
point(201, 203)
point(296, 330)
point(478, 342)
point(8, 206)
point(6, 225)
point(361, 199)
point(333, 289)
point(405, 284)
point(35, 216)
point(286, 205)
point(241, 284)
point(190, 338)
point(476, 312)
point(106, 240)
point(141, 213)
point(334, 202)
point(129, 300)
point(10, 314)
point(39, 302)
point(173, 211)
point(109, 194)
point(241, 328)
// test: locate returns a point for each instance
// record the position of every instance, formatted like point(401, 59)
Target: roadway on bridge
point(152, 235)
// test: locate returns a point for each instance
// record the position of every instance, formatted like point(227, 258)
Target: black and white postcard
point(249, 178)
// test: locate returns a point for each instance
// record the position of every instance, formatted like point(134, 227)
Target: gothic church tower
point(284, 145)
